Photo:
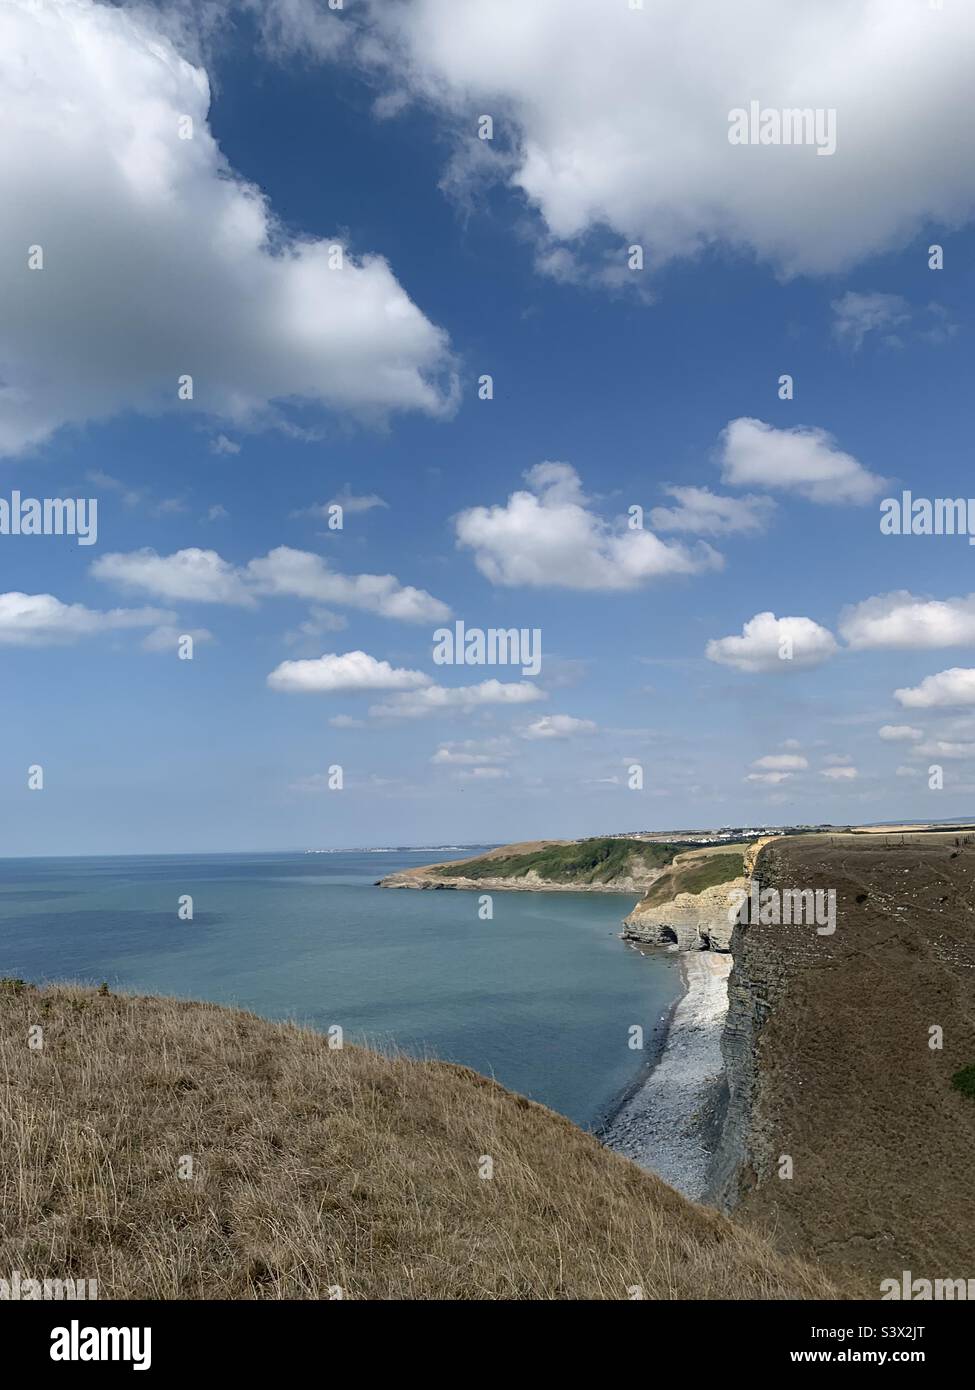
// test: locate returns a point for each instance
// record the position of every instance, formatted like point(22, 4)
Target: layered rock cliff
point(698, 915)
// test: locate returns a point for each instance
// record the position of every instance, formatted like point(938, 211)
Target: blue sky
point(160, 259)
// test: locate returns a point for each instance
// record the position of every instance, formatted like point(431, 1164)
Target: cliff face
point(828, 1061)
point(691, 921)
point(701, 920)
point(752, 986)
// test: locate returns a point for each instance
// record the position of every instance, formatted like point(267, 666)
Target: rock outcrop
point(701, 921)
point(691, 921)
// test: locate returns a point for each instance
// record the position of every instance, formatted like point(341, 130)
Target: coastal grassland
point(849, 1079)
point(584, 862)
point(315, 1168)
point(695, 875)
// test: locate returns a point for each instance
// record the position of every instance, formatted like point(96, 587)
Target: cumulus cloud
point(899, 733)
point(765, 640)
point(471, 752)
point(457, 757)
point(901, 620)
point(301, 574)
point(803, 460)
point(159, 261)
point(558, 726)
point(549, 536)
point(440, 699)
point(203, 576)
point(615, 118)
point(771, 778)
point(954, 687)
point(193, 574)
point(41, 620)
point(329, 674)
point(705, 513)
point(782, 762)
point(839, 774)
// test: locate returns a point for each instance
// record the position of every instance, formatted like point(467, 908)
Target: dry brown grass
point(317, 1168)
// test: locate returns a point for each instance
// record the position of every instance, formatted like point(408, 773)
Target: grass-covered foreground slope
point(584, 862)
point(316, 1169)
point(695, 875)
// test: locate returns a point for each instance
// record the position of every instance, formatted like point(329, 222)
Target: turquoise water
point(541, 997)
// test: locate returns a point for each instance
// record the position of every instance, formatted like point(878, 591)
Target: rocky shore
point(678, 1123)
point(670, 1124)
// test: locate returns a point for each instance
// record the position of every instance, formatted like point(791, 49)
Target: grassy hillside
point(694, 875)
point(315, 1168)
point(587, 861)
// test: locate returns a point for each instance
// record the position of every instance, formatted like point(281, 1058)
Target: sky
point(288, 210)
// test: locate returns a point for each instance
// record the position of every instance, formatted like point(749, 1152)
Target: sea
point(544, 996)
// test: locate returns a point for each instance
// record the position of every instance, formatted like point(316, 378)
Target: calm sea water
point(541, 997)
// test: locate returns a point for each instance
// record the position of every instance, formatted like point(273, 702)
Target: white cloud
point(558, 726)
point(346, 721)
point(899, 733)
point(782, 762)
point(349, 671)
point(856, 315)
point(166, 638)
point(41, 620)
point(901, 620)
point(319, 622)
point(347, 500)
point(437, 699)
point(764, 640)
point(301, 574)
point(617, 118)
point(706, 513)
point(193, 575)
point(203, 576)
point(941, 748)
point(803, 460)
point(945, 689)
point(453, 757)
point(161, 261)
point(470, 752)
point(550, 537)
point(223, 445)
point(772, 778)
point(903, 771)
point(839, 774)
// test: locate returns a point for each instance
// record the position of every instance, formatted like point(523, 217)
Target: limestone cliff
point(697, 915)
